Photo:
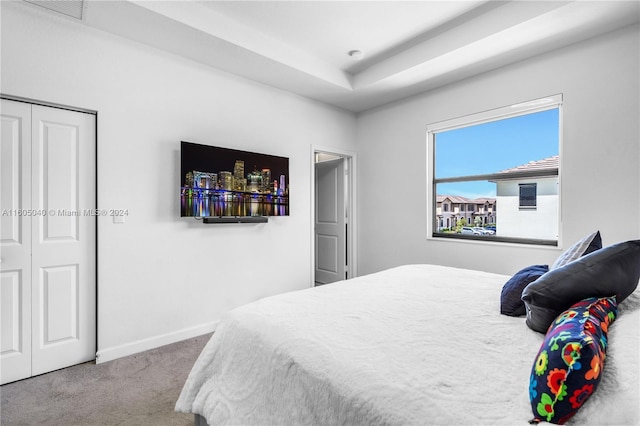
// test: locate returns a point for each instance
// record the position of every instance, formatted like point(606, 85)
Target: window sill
point(493, 239)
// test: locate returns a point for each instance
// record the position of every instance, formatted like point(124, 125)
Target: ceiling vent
point(72, 8)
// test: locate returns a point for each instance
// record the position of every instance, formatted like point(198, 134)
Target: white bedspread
point(413, 345)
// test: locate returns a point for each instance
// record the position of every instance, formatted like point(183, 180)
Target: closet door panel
point(15, 241)
point(63, 270)
point(58, 170)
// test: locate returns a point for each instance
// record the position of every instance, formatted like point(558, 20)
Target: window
point(507, 157)
point(527, 195)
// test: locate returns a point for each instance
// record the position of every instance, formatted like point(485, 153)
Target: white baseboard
point(109, 354)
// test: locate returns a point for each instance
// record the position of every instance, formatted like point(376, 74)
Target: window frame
point(527, 206)
point(523, 108)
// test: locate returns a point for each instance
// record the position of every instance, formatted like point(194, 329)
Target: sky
point(212, 159)
point(492, 147)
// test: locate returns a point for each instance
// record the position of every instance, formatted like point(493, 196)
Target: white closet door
point(63, 264)
point(15, 240)
point(48, 239)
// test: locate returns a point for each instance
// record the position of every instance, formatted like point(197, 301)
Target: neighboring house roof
point(452, 198)
point(484, 200)
point(549, 163)
point(547, 167)
point(464, 200)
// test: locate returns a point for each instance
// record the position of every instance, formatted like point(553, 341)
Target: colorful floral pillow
point(568, 367)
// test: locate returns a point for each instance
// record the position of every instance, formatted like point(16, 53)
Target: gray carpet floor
point(140, 389)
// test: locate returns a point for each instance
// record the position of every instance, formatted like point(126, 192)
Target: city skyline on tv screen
point(219, 182)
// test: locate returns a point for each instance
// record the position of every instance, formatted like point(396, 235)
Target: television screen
point(223, 182)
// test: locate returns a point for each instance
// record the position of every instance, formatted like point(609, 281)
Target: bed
point(411, 345)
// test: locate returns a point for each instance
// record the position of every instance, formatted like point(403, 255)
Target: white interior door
point(60, 199)
point(15, 240)
point(330, 222)
point(63, 263)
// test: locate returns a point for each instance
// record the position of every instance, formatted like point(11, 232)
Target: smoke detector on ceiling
point(72, 8)
point(356, 55)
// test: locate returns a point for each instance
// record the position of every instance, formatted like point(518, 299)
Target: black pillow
point(610, 271)
point(511, 297)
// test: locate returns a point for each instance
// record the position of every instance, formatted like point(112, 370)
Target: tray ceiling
point(407, 46)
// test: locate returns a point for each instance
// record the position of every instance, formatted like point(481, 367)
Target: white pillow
point(588, 244)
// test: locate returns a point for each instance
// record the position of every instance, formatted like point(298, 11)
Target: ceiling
point(407, 46)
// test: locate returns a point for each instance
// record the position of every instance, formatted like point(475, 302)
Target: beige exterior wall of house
point(449, 209)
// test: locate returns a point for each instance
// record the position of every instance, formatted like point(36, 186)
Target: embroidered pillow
point(588, 244)
point(569, 364)
point(511, 296)
point(613, 270)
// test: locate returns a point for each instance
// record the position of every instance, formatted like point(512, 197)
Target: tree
point(459, 224)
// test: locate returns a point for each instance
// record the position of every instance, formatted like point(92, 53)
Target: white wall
point(162, 278)
point(600, 182)
point(540, 222)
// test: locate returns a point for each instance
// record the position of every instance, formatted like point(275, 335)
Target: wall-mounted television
point(228, 183)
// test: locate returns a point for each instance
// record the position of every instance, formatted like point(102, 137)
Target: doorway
point(334, 248)
point(48, 269)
